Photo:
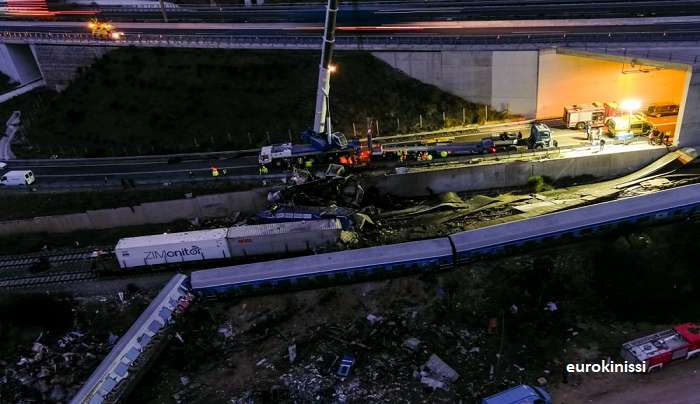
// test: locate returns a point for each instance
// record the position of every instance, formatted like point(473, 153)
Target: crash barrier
point(504, 172)
point(205, 206)
point(364, 42)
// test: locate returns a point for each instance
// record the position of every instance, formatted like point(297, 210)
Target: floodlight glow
point(630, 105)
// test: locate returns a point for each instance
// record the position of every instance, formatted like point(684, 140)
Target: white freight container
point(278, 238)
point(172, 248)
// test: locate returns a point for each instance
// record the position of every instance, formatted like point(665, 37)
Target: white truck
point(15, 178)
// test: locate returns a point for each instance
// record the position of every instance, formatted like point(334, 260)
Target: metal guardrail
point(368, 42)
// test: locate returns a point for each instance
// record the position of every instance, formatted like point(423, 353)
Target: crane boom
point(322, 118)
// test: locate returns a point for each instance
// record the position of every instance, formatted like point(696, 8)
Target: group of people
point(595, 134)
point(404, 156)
point(656, 137)
point(592, 133)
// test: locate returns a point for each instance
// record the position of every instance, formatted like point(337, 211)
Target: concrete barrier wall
point(218, 205)
point(513, 174)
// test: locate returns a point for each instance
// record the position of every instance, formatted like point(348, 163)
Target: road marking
point(135, 172)
point(38, 166)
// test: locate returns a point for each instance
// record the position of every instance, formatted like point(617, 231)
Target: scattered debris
point(435, 384)
point(441, 369)
point(292, 351)
point(374, 319)
point(412, 344)
point(226, 330)
point(348, 237)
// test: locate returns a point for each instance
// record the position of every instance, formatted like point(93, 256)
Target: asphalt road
point(676, 384)
point(68, 173)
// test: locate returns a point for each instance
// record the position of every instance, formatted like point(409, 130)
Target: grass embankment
point(142, 101)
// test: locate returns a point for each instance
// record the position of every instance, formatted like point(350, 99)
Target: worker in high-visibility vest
point(214, 172)
point(309, 163)
point(263, 170)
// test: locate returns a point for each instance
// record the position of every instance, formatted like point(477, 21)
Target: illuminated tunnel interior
point(623, 90)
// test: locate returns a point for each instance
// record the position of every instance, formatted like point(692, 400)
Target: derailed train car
point(226, 243)
point(395, 258)
point(454, 250)
point(398, 259)
point(673, 204)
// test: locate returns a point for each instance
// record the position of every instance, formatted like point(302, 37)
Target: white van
point(13, 178)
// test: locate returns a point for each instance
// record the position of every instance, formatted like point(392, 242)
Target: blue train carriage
point(314, 270)
point(672, 204)
point(115, 376)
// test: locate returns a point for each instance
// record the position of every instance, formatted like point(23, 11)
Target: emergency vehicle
point(576, 116)
point(104, 30)
point(664, 347)
point(635, 124)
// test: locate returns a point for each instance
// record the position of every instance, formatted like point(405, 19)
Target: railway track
point(46, 279)
point(53, 258)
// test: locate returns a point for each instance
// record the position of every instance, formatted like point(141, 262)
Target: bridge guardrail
point(367, 42)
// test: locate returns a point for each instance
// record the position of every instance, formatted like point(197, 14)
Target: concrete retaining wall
point(506, 80)
point(513, 174)
point(206, 206)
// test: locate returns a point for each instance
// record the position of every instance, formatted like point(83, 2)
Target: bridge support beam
point(689, 115)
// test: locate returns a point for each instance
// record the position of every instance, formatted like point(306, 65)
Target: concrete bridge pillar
point(18, 62)
point(689, 115)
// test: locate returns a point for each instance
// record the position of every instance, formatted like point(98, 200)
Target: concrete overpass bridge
point(507, 64)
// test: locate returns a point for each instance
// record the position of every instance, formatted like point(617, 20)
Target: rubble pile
point(52, 373)
point(405, 339)
point(51, 367)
